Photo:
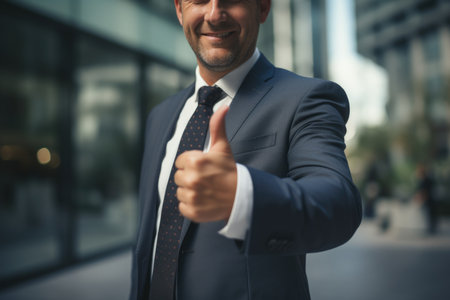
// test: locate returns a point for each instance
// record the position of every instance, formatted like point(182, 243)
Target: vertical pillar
point(418, 68)
point(303, 43)
point(282, 28)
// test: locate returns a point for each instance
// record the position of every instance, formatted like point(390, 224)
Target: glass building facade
point(73, 100)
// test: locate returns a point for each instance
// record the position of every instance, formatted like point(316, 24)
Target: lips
point(220, 35)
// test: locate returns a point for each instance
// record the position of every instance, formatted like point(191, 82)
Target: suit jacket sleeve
point(316, 206)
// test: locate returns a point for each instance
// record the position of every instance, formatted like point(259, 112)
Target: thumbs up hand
point(207, 181)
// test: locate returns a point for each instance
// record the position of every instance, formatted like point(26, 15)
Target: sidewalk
point(105, 279)
point(400, 264)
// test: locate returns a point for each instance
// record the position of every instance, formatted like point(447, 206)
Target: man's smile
point(218, 35)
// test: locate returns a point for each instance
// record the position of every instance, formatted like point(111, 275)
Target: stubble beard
point(216, 64)
point(227, 61)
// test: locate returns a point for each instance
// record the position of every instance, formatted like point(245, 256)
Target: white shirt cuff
point(241, 213)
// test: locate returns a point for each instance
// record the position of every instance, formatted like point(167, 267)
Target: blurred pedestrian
point(425, 196)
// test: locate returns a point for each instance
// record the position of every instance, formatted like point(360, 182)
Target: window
point(106, 132)
point(30, 102)
point(71, 113)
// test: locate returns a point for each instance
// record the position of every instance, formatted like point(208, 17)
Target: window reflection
point(105, 138)
point(30, 93)
point(162, 82)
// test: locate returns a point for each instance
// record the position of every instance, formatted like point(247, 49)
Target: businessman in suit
point(269, 184)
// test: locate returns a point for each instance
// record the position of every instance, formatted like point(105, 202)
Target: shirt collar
point(231, 82)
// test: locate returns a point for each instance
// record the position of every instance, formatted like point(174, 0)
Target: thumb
point(219, 140)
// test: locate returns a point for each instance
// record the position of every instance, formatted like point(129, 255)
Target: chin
point(217, 61)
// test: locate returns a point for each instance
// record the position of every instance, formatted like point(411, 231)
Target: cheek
point(247, 22)
point(249, 30)
point(192, 18)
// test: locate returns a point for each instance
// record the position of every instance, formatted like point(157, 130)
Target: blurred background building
point(410, 39)
point(297, 33)
point(77, 79)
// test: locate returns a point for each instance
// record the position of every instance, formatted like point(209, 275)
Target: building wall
point(77, 79)
point(410, 39)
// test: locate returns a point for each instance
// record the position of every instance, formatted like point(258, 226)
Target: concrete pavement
point(401, 264)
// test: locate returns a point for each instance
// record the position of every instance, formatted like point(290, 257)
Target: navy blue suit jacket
point(289, 131)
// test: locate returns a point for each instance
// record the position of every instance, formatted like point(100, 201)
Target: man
point(424, 195)
point(271, 185)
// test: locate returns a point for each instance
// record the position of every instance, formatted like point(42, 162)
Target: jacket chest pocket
point(254, 143)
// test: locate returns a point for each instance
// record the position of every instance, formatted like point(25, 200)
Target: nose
point(215, 12)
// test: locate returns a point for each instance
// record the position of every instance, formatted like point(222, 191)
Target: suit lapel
point(255, 85)
point(172, 116)
point(150, 194)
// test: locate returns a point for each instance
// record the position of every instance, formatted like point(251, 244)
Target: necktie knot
point(210, 95)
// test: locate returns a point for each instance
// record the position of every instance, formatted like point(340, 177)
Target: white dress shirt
point(240, 217)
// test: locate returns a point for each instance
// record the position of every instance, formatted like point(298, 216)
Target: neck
point(211, 77)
